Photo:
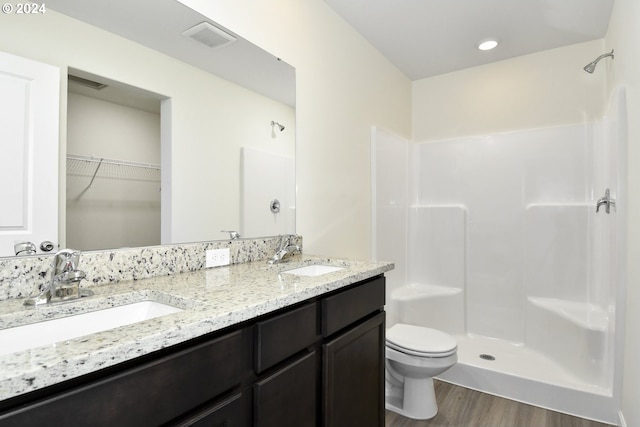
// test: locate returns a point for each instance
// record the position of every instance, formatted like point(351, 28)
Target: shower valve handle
point(607, 201)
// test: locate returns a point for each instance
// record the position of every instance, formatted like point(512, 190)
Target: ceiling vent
point(209, 35)
point(86, 82)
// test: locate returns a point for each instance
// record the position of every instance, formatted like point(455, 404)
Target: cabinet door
point(288, 397)
point(353, 376)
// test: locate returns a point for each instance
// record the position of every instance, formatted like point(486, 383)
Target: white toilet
point(414, 355)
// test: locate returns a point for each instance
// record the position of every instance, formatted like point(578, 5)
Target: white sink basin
point(58, 330)
point(313, 270)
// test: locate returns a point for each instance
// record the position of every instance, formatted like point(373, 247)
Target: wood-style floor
point(462, 407)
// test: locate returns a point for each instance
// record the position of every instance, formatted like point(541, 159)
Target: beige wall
point(344, 86)
point(624, 36)
point(539, 90)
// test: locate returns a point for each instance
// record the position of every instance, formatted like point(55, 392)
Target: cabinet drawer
point(150, 394)
point(347, 307)
point(284, 335)
point(288, 397)
point(231, 412)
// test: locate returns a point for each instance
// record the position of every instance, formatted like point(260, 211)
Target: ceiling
point(424, 38)
point(159, 24)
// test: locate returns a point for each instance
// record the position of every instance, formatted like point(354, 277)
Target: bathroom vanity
point(254, 345)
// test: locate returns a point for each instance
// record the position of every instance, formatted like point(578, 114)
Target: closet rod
point(113, 161)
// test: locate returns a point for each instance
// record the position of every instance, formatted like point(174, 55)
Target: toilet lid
point(418, 340)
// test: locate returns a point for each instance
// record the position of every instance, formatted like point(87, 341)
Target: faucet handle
point(285, 240)
point(66, 260)
point(233, 235)
point(75, 260)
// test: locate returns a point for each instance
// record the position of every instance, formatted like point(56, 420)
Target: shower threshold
point(518, 373)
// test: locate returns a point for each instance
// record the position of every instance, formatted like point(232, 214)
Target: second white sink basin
point(38, 334)
point(313, 270)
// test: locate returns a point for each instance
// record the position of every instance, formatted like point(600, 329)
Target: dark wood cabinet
point(281, 336)
point(151, 393)
point(288, 397)
point(353, 356)
point(320, 362)
point(352, 305)
point(353, 376)
point(229, 412)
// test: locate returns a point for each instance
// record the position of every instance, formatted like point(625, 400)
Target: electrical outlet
point(217, 257)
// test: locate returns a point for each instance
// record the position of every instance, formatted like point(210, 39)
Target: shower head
point(281, 127)
point(591, 66)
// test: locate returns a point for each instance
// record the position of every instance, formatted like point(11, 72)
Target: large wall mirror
point(167, 121)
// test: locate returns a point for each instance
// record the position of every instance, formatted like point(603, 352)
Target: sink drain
point(487, 357)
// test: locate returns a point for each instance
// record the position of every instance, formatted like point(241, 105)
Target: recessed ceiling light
point(487, 44)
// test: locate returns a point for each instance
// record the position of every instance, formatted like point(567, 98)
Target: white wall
point(211, 118)
point(391, 180)
point(260, 191)
point(624, 36)
point(344, 86)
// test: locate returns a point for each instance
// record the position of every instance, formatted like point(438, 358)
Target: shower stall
point(497, 241)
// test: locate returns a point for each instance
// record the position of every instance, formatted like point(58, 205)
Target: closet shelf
point(102, 167)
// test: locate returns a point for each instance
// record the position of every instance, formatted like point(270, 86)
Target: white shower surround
point(501, 246)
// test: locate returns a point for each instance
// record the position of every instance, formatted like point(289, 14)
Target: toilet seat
point(420, 341)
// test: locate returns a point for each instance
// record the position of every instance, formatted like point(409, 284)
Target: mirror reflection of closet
point(113, 164)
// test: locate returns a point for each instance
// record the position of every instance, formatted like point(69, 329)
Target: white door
point(29, 122)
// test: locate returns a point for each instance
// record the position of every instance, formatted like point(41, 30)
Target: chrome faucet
point(284, 248)
point(65, 280)
point(607, 201)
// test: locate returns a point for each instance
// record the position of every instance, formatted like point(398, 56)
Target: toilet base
point(417, 400)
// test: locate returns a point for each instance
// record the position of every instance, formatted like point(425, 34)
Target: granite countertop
point(211, 299)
